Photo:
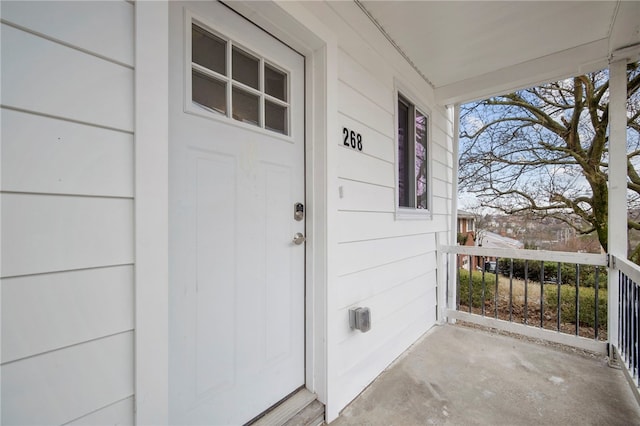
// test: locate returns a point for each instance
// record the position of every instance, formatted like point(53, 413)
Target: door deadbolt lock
point(298, 238)
point(298, 211)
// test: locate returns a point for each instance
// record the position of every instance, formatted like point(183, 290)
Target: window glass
point(413, 158)
point(227, 79)
point(275, 117)
point(209, 92)
point(421, 160)
point(246, 106)
point(275, 83)
point(245, 68)
point(404, 165)
point(208, 50)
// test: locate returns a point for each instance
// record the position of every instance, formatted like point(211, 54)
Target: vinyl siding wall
point(67, 213)
point(381, 262)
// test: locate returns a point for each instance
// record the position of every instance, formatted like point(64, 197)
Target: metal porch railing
point(627, 340)
point(557, 296)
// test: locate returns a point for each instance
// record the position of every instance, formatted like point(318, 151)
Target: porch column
point(451, 282)
point(617, 217)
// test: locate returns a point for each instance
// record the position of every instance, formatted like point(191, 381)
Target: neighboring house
point(195, 194)
point(466, 236)
point(466, 222)
point(493, 240)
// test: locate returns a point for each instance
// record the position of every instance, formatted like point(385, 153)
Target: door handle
point(298, 238)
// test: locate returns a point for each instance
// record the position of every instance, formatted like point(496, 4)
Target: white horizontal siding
point(387, 306)
point(60, 386)
point(67, 212)
point(360, 167)
point(357, 106)
point(45, 233)
point(44, 312)
point(441, 154)
point(441, 222)
point(359, 225)
point(102, 28)
point(441, 206)
point(49, 78)
point(361, 255)
point(358, 196)
point(377, 89)
point(441, 190)
point(441, 170)
point(374, 143)
point(45, 155)
point(411, 323)
point(116, 414)
point(363, 285)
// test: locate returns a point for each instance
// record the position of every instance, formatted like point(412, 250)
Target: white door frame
point(295, 26)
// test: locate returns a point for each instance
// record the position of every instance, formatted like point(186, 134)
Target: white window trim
point(412, 213)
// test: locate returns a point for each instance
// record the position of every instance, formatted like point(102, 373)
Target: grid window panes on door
point(230, 80)
point(412, 156)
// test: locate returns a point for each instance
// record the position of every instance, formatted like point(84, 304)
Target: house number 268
point(351, 139)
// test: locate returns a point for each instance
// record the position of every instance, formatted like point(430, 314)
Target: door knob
point(298, 238)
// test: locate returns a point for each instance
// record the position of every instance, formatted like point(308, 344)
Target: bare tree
point(544, 151)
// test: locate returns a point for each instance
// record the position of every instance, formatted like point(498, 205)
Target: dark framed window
point(413, 156)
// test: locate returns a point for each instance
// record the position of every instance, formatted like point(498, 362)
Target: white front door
point(236, 172)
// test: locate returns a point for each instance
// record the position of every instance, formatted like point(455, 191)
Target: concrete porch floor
point(457, 375)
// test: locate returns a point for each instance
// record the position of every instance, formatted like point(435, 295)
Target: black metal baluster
point(542, 294)
point(626, 318)
point(511, 291)
point(558, 281)
point(526, 290)
point(632, 331)
point(597, 325)
point(495, 294)
point(458, 264)
point(637, 329)
point(620, 313)
point(484, 263)
point(577, 298)
point(628, 326)
point(470, 281)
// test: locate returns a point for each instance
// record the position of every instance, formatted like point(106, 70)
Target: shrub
point(568, 304)
point(567, 272)
point(476, 287)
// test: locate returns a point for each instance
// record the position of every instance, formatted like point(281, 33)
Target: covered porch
point(457, 375)
point(460, 375)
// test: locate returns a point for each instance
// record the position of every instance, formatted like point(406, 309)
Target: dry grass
point(518, 290)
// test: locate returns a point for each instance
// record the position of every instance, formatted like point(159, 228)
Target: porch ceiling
point(473, 49)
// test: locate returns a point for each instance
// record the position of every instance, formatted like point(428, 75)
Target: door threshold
point(299, 408)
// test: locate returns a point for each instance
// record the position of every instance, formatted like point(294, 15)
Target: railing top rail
point(628, 268)
point(543, 255)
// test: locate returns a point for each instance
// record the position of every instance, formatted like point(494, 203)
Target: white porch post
point(617, 218)
point(453, 266)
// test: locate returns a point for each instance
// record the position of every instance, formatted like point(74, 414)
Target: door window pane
point(245, 68)
point(209, 92)
point(208, 50)
point(275, 83)
point(421, 160)
point(229, 80)
point(245, 106)
point(275, 117)
point(404, 164)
